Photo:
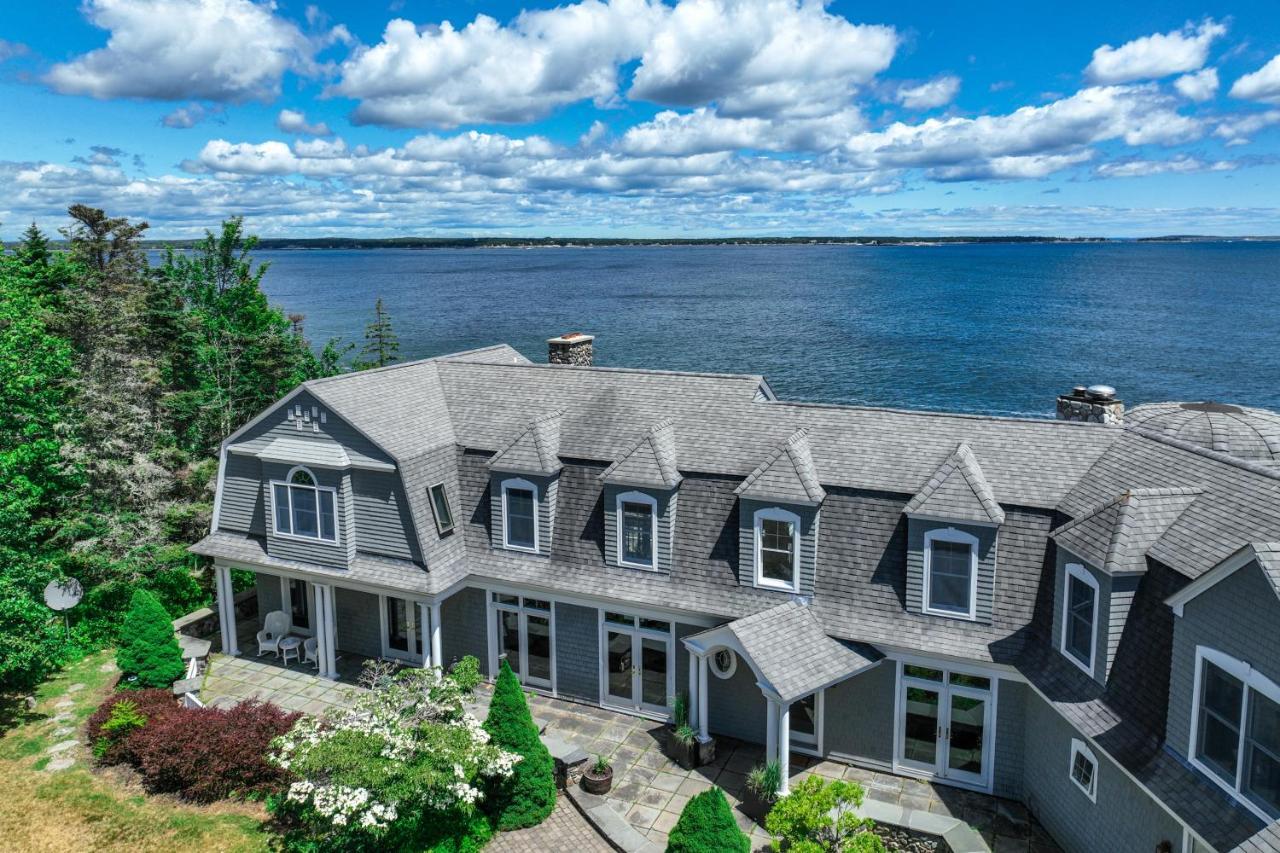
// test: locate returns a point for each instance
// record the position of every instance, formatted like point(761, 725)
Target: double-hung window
point(777, 549)
point(950, 573)
point(303, 508)
point(637, 519)
point(520, 515)
point(1236, 730)
point(1079, 616)
point(1084, 769)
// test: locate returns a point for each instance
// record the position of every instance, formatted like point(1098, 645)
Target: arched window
point(303, 508)
point(777, 549)
point(950, 573)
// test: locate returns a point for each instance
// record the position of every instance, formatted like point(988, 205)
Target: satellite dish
point(63, 594)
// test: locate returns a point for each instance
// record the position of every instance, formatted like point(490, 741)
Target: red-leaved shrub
point(205, 754)
point(151, 703)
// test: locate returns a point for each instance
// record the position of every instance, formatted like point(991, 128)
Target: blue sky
point(644, 118)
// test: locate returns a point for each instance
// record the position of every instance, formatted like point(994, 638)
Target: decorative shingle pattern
point(787, 474)
point(536, 450)
point(792, 653)
point(1116, 536)
point(651, 461)
point(1242, 432)
point(958, 490)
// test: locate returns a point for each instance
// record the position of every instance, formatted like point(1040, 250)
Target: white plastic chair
point(274, 628)
point(309, 655)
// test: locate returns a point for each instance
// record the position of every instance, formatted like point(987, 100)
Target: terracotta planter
point(597, 783)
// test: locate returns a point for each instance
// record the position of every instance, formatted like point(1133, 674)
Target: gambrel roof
point(958, 490)
point(651, 461)
point(787, 474)
point(1116, 536)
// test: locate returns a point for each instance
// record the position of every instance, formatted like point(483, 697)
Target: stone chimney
point(1096, 404)
point(573, 348)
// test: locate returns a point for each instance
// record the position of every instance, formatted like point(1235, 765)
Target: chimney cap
point(1101, 392)
point(572, 338)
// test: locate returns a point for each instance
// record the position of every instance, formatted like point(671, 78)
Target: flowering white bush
point(405, 758)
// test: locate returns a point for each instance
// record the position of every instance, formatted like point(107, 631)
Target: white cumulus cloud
point(1239, 129)
point(293, 121)
point(1200, 86)
point(1155, 56)
point(214, 50)
point(929, 94)
point(1261, 85)
point(1182, 164)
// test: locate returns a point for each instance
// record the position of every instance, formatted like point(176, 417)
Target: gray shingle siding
point(1124, 817)
point(463, 627)
point(682, 660)
point(809, 533)
point(1104, 649)
point(577, 652)
point(334, 429)
point(242, 508)
point(382, 518)
point(1238, 617)
point(987, 563)
point(1007, 760)
point(268, 587)
point(735, 705)
point(858, 716)
point(667, 501)
point(547, 489)
point(357, 622)
point(290, 548)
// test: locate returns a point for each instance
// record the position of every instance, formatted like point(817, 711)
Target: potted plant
point(683, 746)
point(598, 777)
point(761, 790)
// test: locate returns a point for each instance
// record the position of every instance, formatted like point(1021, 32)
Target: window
point(440, 506)
point(950, 573)
point(723, 663)
point(303, 508)
point(520, 515)
point(1236, 730)
point(637, 517)
point(1079, 616)
point(777, 538)
point(1084, 769)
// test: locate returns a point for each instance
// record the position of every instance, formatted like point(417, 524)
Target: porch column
point(326, 644)
point(692, 705)
point(784, 746)
point(771, 730)
point(226, 609)
point(437, 656)
point(424, 634)
point(702, 699)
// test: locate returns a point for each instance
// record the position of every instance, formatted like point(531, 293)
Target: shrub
point(148, 648)
point(111, 746)
point(206, 754)
point(529, 795)
point(706, 825)
point(764, 780)
point(817, 816)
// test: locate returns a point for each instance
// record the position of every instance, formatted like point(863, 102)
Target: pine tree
point(148, 648)
point(381, 345)
point(529, 795)
point(34, 250)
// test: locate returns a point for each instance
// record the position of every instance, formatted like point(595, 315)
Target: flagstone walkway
point(295, 687)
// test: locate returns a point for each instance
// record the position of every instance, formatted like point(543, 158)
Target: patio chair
point(274, 628)
point(309, 654)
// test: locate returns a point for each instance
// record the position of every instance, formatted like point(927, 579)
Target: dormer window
point(777, 542)
point(637, 529)
point(519, 515)
point(303, 508)
point(1079, 616)
point(950, 573)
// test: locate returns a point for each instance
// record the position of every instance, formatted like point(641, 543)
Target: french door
point(944, 725)
point(298, 600)
point(806, 722)
point(524, 637)
point(638, 673)
point(401, 631)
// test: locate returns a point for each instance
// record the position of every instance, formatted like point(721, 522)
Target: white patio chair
point(309, 651)
point(275, 627)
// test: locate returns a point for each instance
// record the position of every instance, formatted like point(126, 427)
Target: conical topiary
point(706, 825)
point(148, 648)
point(529, 795)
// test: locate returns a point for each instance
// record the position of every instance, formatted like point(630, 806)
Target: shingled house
point(1081, 616)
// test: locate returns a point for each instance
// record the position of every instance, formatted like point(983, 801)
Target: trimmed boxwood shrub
point(706, 825)
point(148, 648)
point(529, 795)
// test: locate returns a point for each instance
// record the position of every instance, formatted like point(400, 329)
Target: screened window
point(1237, 730)
point(1079, 616)
point(1084, 769)
point(303, 508)
point(637, 528)
point(440, 506)
point(520, 515)
point(777, 548)
point(950, 559)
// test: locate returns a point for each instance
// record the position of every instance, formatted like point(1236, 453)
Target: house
point(1082, 614)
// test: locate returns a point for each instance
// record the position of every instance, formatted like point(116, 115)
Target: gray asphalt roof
point(1243, 432)
point(536, 449)
point(787, 474)
point(651, 461)
point(959, 490)
point(1116, 536)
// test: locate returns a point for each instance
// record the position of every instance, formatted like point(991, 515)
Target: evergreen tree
point(34, 250)
point(706, 825)
point(381, 345)
point(148, 648)
point(529, 795)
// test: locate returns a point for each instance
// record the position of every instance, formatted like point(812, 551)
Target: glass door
point(298, 603)
point(804, 720)
point(637, 664)
point(402, 639)
point(966, 735)
point(655, 658)
point(619, 671)
point(921, 730)
point(525, 637)
point(944, 718)
point(537, 646)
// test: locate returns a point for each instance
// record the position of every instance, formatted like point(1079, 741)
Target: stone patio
point(296, 687)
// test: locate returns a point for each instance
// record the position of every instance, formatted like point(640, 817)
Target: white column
point(226, 609)
point(784, 746)
point(437, 656)
point(424, 633)
point(702, 698)
point(692, 704)
point(326, 643)
point(771, 730)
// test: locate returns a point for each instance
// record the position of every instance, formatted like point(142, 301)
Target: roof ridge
point(648, 371)
point(796, 448)
point(1271, 473)
point(940, 413)
point(961, 459)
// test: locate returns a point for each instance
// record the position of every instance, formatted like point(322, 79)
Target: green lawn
point(80, 809)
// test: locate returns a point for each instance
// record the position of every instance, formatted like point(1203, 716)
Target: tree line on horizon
point(119, 380)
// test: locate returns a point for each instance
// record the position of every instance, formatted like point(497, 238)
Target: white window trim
point(435, 513)
point(1252, 680)
point(950, 534)
point(523, 612)
point(286, 482)
point(1078, 747)
point(777, 514)
point(1078, 571)
point(729, 670)
point(637, 498)
point(519, 483)
point(416, 653)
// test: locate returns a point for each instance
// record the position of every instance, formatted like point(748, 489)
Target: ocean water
point(980, 328)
